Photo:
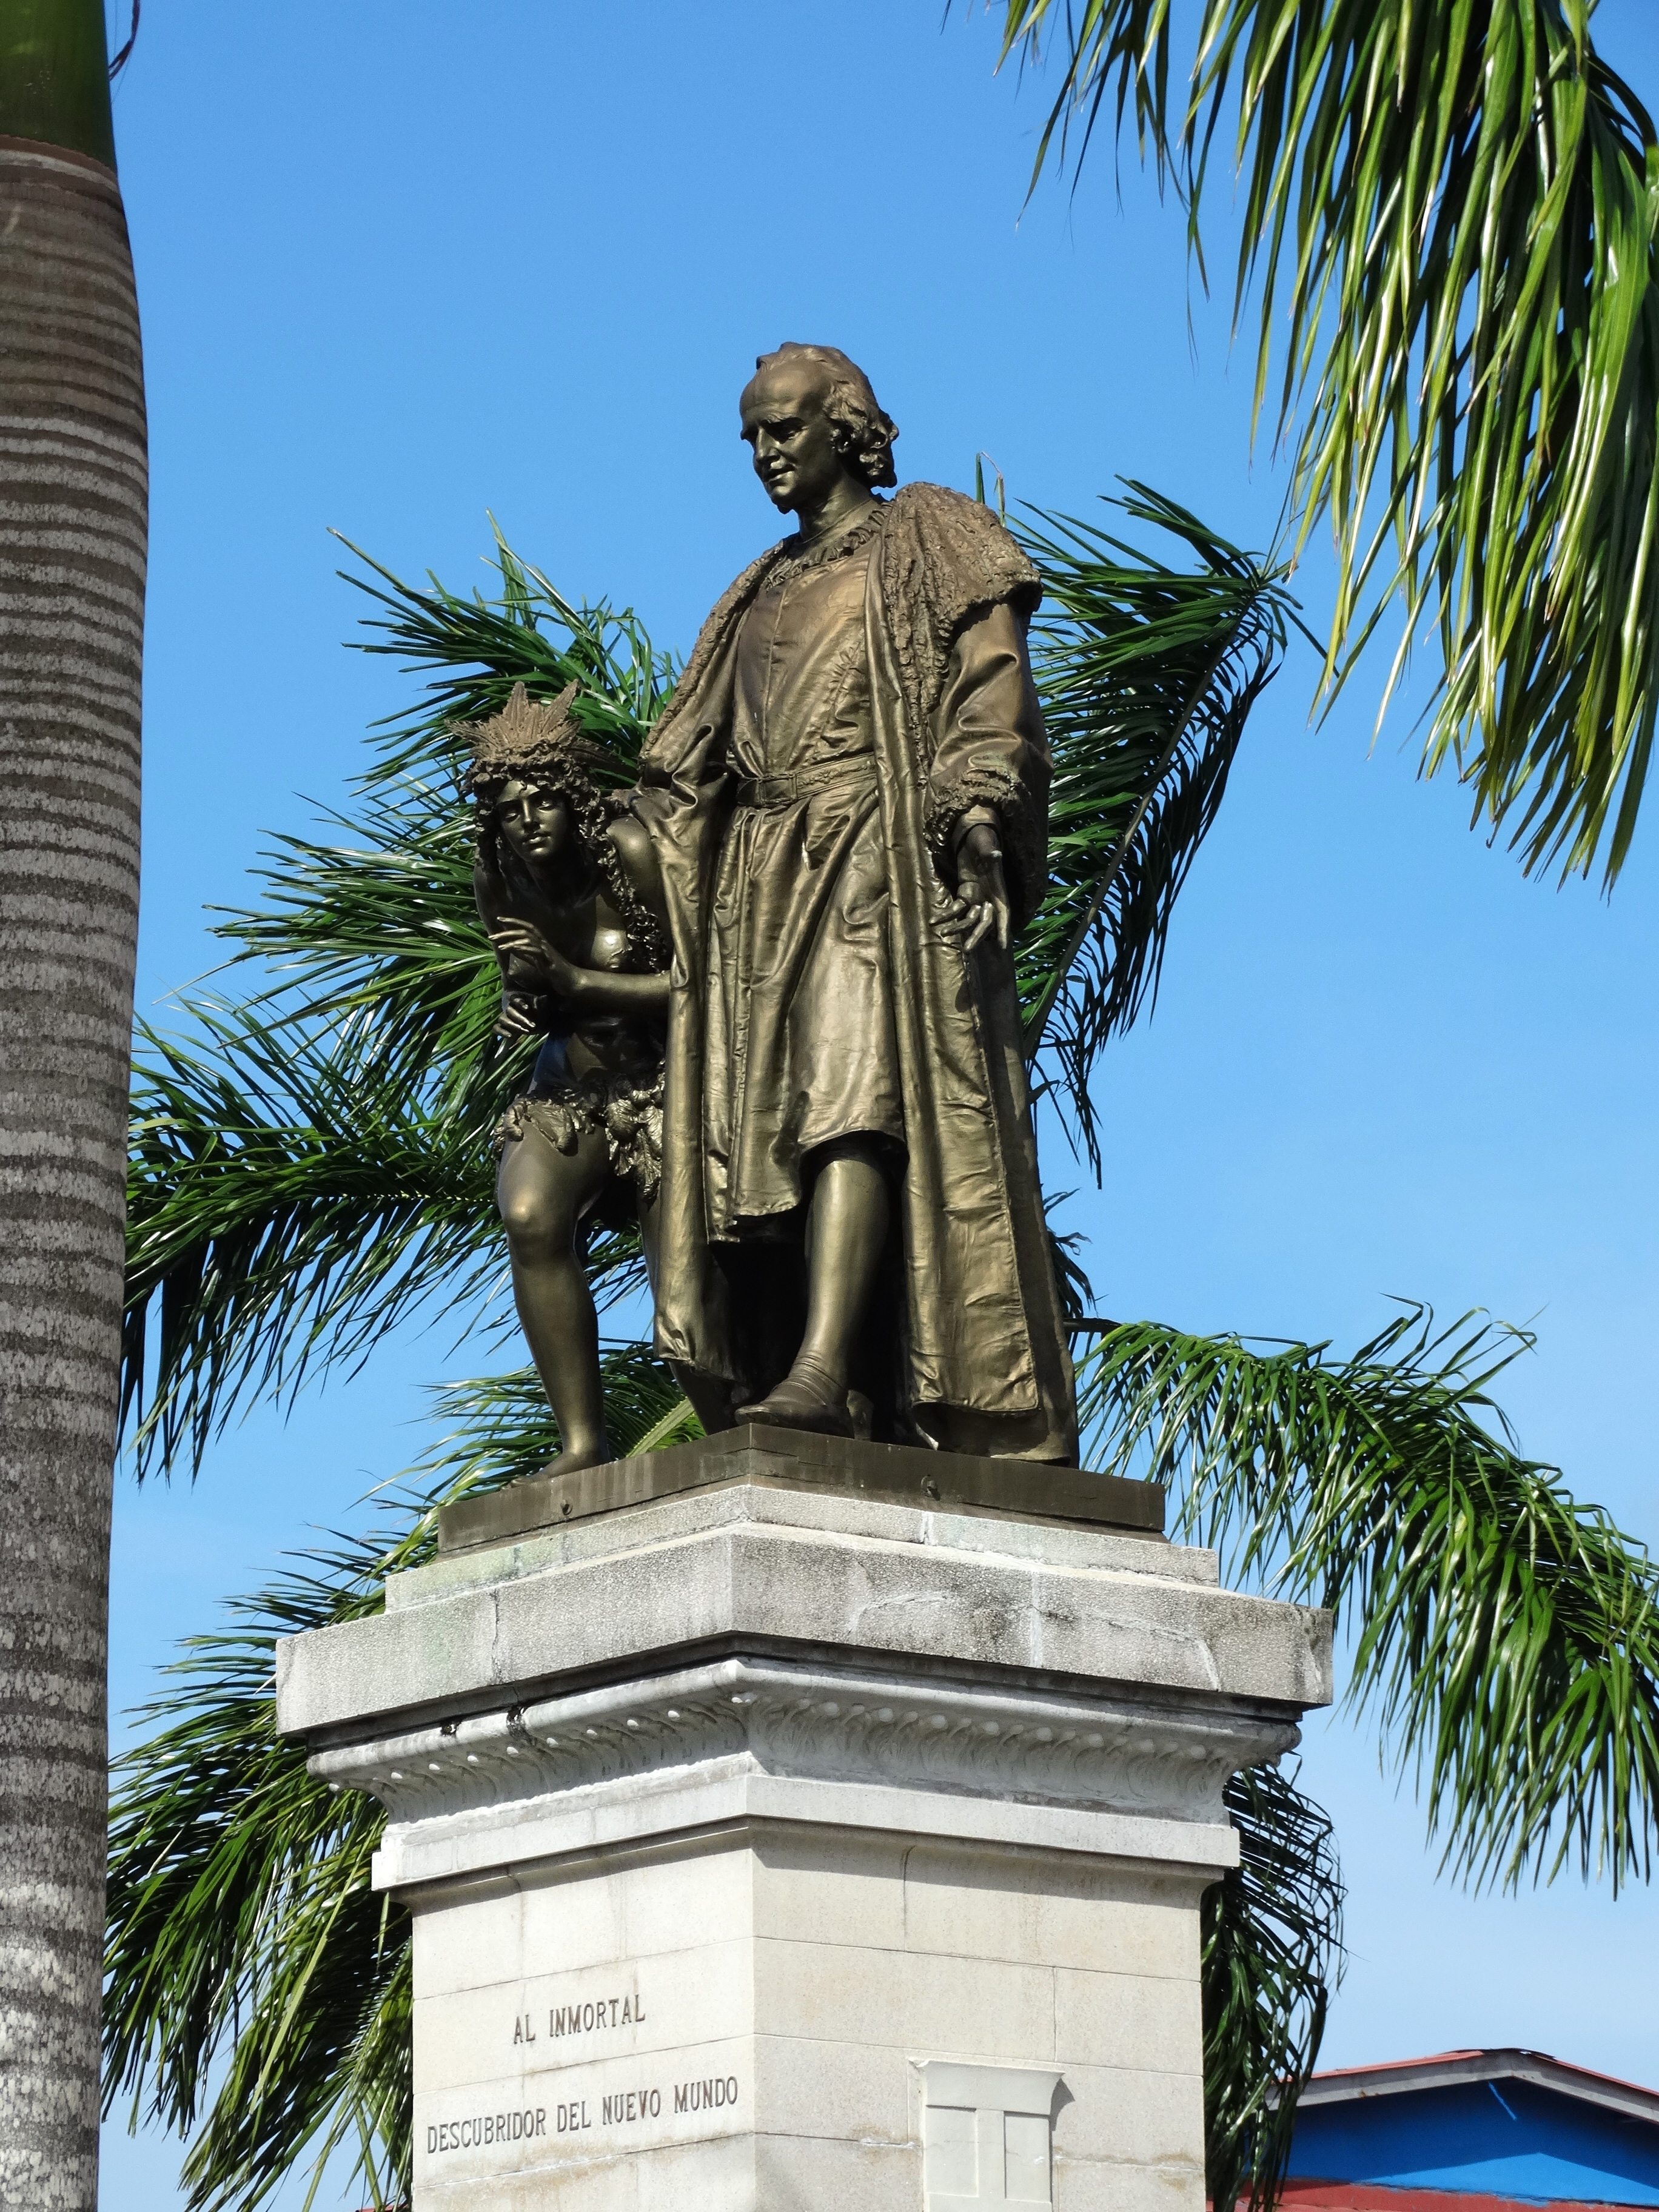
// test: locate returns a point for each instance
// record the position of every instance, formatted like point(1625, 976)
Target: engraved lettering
point(582, 2017)
point(483, 2129)
point(628, 2107)
point(618, 2108)
point(707, 2095)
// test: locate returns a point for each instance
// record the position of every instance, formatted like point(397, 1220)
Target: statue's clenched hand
point(523, 941)
point(980, 903)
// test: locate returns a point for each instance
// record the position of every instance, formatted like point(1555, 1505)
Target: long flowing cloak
point(984, 1355)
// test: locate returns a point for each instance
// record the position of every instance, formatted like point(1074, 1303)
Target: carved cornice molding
point(1099, 1755)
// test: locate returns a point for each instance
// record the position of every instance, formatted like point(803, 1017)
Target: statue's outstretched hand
point(981, 903)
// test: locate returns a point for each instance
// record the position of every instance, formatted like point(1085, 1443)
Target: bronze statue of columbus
point(847, 796)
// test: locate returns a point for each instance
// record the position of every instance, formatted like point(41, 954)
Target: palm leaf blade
point(1506, 1638)
point(1450, 209)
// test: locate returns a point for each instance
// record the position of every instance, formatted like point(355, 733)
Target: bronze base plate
point(893, 1475)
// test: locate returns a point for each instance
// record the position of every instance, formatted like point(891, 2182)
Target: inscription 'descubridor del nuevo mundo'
point(623, 2107)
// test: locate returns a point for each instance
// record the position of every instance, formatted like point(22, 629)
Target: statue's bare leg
point(543, 1195)
point(846, 1235)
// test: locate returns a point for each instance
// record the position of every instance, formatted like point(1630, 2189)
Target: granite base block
point(775, 1846)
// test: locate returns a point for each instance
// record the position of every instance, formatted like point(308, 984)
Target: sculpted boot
point(809, 1397)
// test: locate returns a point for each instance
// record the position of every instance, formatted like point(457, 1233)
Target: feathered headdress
point(539, 740)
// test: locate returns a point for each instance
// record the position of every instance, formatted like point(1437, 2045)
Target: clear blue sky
point(399, 264)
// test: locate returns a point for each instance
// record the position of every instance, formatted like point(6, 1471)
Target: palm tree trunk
point(73, 507)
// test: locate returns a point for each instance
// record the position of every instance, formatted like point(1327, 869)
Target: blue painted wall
point(1495, 2138)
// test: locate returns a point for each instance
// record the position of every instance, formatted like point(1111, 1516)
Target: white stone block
point(984, 2009)
point(1149, 2023)
point(799, 2173)
point(845, 2092)
point(1118, 1617)
point(824, 1885)
point(1057, 1909)
point(1131, 2117)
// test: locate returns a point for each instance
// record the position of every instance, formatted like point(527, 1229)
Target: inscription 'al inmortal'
point(584, 2017)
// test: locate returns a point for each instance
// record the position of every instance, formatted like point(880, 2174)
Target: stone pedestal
point(775, 1847)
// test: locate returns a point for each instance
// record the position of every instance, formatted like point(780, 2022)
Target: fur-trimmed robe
point(984, 1364)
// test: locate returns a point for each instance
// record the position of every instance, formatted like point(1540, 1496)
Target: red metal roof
point(1301, 2195)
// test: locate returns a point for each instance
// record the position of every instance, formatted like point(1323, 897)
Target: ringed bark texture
point(73, 507)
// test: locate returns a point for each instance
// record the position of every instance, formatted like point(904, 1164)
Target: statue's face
point(793, 440)
point(535, 823)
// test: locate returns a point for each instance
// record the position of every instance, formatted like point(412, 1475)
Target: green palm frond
point(385, 919)
point(383, 924)
point(530, 634)
point(288, 1203)
point(255, 1983)
point(1147, 674)
point(1272, 1959)
point(1448, 209)
point(1506, 1638)
point(498, 1427)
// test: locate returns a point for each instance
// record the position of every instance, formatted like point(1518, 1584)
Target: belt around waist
point(800, 783)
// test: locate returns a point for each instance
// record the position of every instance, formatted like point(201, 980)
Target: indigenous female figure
point(567, 885)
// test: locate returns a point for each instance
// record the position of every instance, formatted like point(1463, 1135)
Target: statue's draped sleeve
point(990, 751)
point(957, 593)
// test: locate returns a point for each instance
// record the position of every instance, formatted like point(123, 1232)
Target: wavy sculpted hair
point(864, 434)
